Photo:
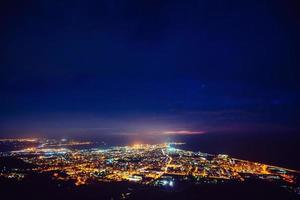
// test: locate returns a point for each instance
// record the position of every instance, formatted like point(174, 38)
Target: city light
point(157, 164)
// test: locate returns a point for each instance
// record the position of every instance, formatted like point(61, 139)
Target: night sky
point(149, 66)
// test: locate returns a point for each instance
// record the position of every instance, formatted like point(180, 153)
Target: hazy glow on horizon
point(183, 132)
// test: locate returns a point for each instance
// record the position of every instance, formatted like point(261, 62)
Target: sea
point(279, 149)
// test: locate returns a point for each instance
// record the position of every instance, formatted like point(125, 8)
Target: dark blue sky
point(116, 66)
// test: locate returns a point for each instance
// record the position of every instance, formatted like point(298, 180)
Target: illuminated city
point(149, 99)
point(160, 165)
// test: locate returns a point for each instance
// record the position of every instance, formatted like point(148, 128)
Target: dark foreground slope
point(37, 187)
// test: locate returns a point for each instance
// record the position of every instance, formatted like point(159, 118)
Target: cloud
point(183, 132)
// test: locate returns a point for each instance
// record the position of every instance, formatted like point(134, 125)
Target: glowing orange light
point(183, 132)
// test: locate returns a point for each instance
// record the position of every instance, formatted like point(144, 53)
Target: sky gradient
point(149, 66)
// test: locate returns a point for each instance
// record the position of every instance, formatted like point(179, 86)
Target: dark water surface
point(276, 149)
